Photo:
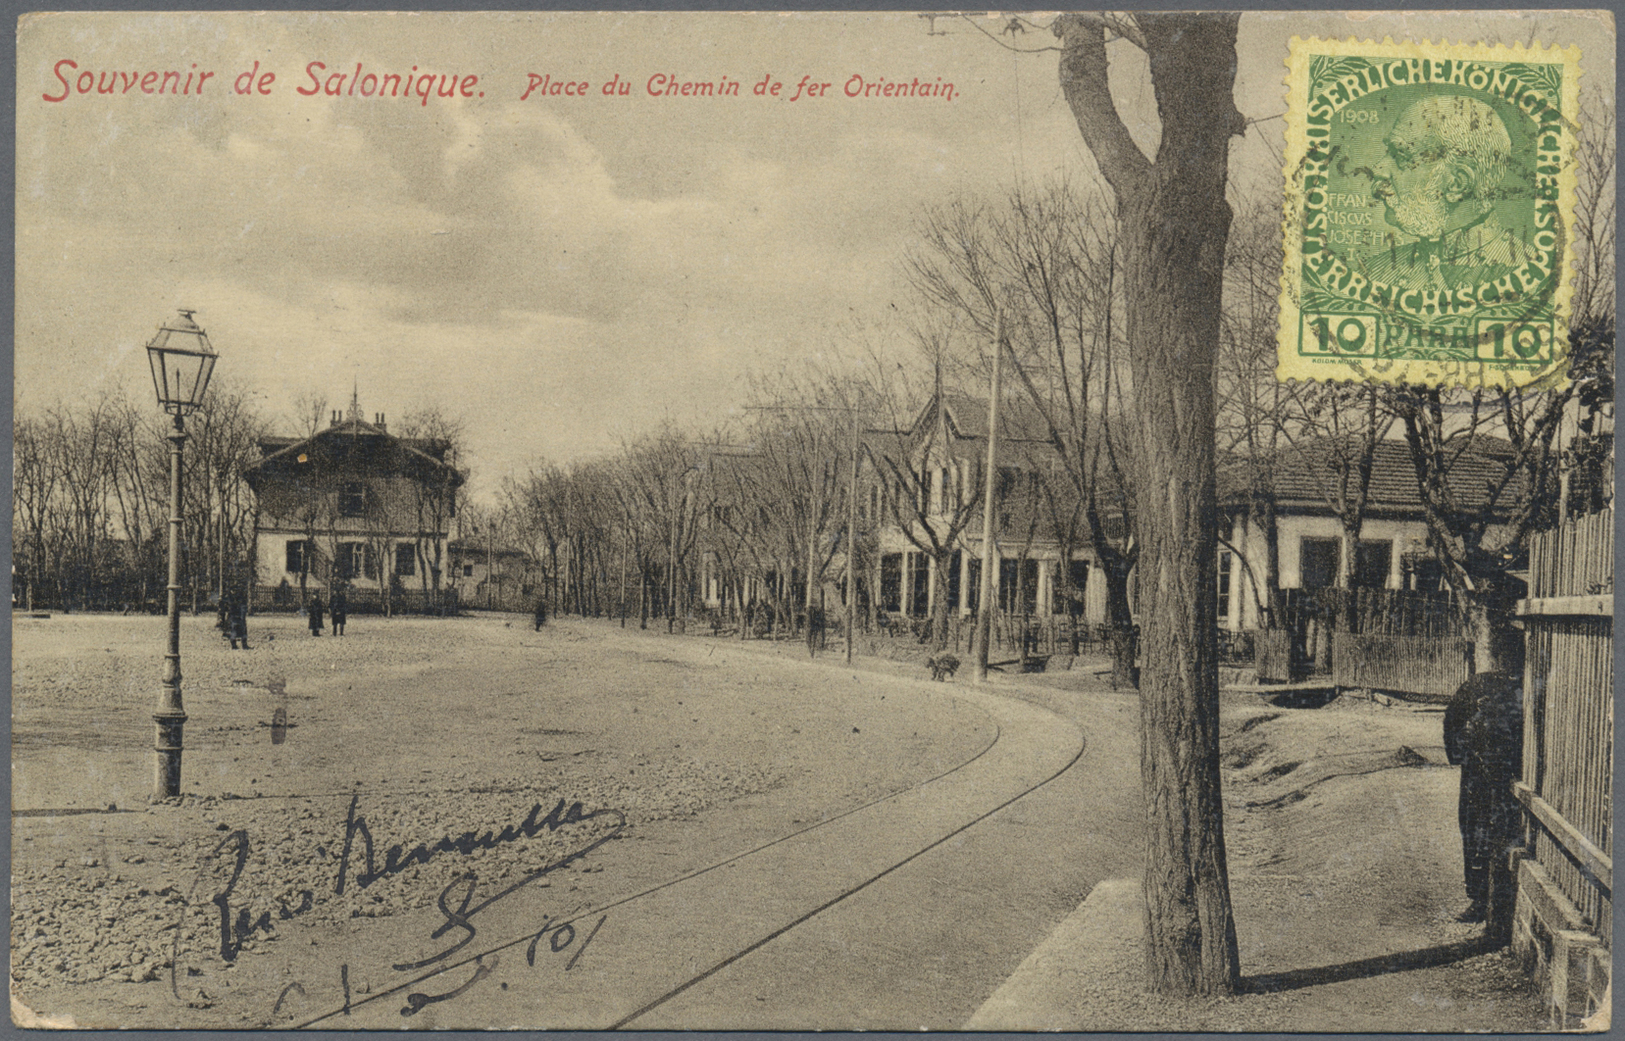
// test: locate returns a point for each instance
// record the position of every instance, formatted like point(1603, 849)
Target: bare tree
point(1478, 525)
point(1251, 401)
point(1479, 517)
point(140, 485)
point(36, 486)
point(1588, 478)
point(91, 499)
point(310, 413)
point(219, 513)
point(540, 520)
point(1335, 429)
point(1593, 231)
point(658, 496)
point(86, 437)
point(1045, 263)
point(933, 489)
point(436, 436)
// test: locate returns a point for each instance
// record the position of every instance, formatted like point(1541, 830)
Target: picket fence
point(1566, 887)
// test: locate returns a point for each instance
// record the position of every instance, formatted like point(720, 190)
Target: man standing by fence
point(1483, 734)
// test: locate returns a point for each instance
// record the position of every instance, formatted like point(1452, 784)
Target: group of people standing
point(232, 617)
point(339, 610)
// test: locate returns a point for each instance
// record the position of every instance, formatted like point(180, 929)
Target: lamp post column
point(171, 716)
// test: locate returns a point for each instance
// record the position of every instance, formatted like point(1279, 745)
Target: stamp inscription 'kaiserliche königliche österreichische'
point(1429, 187)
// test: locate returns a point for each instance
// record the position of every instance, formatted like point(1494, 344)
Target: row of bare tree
point(773, 504)
point(90, 502)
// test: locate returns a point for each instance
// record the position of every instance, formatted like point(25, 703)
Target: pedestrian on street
point(339, 611)
point(237, 621)
point(316, 608)
point(1483, 734)
point(539, 616)
point(815, 630)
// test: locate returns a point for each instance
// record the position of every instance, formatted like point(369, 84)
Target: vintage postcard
point(813, 521)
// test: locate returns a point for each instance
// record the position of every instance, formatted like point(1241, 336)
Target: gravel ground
point(1345, 880)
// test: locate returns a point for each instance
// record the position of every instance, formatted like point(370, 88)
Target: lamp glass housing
point(182, 361)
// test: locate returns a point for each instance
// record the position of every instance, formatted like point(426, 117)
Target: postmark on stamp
point(1429, 189)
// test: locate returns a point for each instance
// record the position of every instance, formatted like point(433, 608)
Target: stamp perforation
point(1465, 275)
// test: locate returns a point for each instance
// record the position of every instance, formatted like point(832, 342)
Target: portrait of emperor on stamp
point(1428, 192)
point(1446, 160)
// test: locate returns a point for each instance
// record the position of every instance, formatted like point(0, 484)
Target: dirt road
point(761, 842)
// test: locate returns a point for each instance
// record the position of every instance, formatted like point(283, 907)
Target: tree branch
point(1083, 69)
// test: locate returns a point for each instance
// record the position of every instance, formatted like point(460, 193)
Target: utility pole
point(852, 542)
point(984, 609)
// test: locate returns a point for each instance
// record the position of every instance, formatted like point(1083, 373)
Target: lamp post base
point(167, 778)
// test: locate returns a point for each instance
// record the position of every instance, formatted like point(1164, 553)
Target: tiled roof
point(1303, 476)
point(1018, 419)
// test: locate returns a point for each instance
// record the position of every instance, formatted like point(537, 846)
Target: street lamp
point(182, 362)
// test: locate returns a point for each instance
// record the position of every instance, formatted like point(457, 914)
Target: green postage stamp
point(1429, 189)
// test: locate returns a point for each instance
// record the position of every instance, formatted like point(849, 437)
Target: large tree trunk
point(939, 597)
point(1345, 576)
point(1125, 648)
point(1174, 222)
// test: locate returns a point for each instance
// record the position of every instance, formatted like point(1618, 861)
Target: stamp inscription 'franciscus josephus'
point(1429, 187)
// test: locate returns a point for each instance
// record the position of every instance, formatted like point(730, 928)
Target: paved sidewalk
point(1345, 877)
point(1045, 992)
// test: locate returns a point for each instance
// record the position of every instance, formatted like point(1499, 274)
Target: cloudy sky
point(564, 272)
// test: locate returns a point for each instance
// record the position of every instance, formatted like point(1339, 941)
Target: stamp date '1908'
point(1429, 189)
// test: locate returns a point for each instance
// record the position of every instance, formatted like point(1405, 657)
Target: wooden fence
point(1567, 784)
point(1275, 657)
point(411, 600)
point(1385, 612)
point(1401, 640)
point(1430, 666)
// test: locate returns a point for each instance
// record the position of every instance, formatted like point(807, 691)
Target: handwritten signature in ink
point(458, 901)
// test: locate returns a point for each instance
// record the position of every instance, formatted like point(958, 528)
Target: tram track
point(821, 835)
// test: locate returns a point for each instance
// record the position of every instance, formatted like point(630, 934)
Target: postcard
point(813, 521)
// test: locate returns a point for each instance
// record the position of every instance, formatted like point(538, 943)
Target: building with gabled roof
point(353, 506)
point(946, 446)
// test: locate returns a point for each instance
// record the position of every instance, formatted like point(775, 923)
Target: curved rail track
point(682, 933)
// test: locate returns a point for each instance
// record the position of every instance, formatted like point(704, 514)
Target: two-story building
point(1037, 530)
point(352, 505)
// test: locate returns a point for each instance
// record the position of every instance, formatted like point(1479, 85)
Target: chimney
point(335, 418)
point(380, 421)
